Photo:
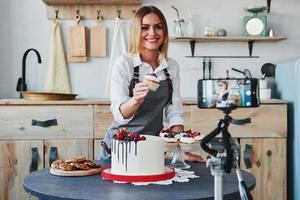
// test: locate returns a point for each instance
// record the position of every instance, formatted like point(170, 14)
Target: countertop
point(102, 101)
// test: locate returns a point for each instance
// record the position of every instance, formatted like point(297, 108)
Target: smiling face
point(152, 33)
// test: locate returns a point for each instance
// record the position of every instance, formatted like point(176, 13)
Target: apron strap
point(134, 80)
point(170, 85)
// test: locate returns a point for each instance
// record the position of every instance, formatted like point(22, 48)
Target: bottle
point(190, 26)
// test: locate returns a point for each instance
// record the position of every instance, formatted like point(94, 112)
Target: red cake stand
point(106, 174)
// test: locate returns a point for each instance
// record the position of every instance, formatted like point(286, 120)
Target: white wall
point(23, 25)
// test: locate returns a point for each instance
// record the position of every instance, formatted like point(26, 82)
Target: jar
point(179, 28)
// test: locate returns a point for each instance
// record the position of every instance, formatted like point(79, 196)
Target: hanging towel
point(57, 80)
point(118, 48)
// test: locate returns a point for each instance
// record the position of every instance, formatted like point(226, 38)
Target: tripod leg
point(244, 192)
point(218, 187)
point(229, 154)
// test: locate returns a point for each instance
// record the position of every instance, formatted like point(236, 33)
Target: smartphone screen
point(226, 93)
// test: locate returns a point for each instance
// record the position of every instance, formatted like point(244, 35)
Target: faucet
point(21, 85)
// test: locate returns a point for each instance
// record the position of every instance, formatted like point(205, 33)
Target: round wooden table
point(46, 186)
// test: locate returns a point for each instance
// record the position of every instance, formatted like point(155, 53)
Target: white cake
point(144, 157)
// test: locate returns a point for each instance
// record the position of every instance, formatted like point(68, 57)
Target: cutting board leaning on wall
point(77, 42)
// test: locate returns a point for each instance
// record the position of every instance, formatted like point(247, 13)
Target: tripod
point(225, 154)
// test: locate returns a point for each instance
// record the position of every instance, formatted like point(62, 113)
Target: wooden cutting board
point(98, 40)
point(77, 42)
point(59, 172)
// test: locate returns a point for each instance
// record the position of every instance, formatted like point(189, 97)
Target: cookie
point(78, 159)
point(91, 164)
point(80, 166)
point(55, 164)
point(66, 167)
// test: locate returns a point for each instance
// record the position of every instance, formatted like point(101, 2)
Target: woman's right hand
point(140, 91)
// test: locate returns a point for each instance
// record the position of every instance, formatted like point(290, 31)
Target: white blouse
point(122, 73)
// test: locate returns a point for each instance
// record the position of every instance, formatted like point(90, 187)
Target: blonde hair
point(136, 26)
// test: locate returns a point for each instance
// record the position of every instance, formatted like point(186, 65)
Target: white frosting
point(151, 78)
point(144, 157)
point(188, 140)
point(198, 138)
point(170, 140)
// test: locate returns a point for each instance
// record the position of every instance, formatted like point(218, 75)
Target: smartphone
point(226, 93)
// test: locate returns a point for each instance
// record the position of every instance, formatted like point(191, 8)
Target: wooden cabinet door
point(97, 148)
point(15, 166)
point(268, 166)
point(67, 149)
point(102, 120)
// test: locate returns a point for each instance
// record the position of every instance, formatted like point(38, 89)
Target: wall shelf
point(249, 39)
point(89, 9)
point(90, 2)
point(215, 56)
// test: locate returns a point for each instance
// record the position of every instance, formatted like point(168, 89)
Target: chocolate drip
point(114, 146)
point(122, 152)
point(118, 153)
point(126, 149)
point(135, 147)
point(129, 147)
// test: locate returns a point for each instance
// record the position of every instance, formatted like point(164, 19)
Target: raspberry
point(142, 137)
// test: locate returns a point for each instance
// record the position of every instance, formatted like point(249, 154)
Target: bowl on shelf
point(47, 96)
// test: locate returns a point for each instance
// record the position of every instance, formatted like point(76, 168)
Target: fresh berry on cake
point(169, 135)
point(134, 154)
point(188, 136)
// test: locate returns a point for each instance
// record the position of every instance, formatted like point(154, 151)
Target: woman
point(134, 106)
point(223, 94)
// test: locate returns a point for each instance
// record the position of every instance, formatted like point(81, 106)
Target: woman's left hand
point(192, 157)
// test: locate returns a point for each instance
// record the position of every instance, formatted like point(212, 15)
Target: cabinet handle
point(47, 123)
point(53, 155)
point(248, 152)
point(258, 164)
point(269, 153)
point(34, 159)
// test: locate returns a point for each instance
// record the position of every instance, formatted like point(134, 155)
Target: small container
point(271, 32)
point(209, 30)
point(263, 84)
point(179, 28)
point(265, 93)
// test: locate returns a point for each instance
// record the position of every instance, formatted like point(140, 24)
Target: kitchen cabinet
point(81, 125)
point(15, 165)
point(269, 164)
point(71, 135)
point(267, 133)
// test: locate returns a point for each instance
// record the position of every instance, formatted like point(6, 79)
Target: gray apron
point(148, 120)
